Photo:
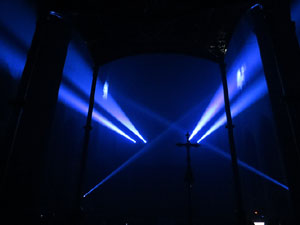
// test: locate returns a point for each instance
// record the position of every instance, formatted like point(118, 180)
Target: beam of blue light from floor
point(76, 70)
point(130, 160)
point(83, 69)
point(250, 96)
point(244, 165)
point(166, 122)
point(249, 62)
point(173, 126)
point(111, 106)
point(70, 99)
point(123, 166)
point(19, 62)
point(16, 61)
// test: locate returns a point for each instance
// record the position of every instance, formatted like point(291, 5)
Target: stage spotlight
point(259, 223)
point(71, 100)
point(244, 68)
point(245, 100)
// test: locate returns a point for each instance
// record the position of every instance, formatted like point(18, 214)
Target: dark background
point(154, 90)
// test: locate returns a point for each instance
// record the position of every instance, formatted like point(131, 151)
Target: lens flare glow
point(249, 57)
point(105, 90)
point(250, 96)
point(240, 77)
point(66, 96)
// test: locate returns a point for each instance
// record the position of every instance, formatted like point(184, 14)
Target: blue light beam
point(112, 107)
point(16, 58)
point(130, 160)
point(77, 73)
point(249, 97)
point(133, 158)
point(245, 165)
point(70, 99)
point(12, 57)
point(247, 63)
point(120, 168)
point(173, 126)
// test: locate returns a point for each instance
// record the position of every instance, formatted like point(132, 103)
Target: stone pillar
point(31, 123)
point(280, 55)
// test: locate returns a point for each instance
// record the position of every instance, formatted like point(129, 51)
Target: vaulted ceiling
point(114, 29)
